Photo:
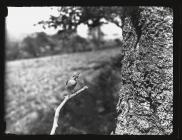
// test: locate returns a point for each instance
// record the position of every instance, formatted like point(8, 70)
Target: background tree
point(71, 17)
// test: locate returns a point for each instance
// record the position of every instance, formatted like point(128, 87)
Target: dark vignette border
point(177, 26)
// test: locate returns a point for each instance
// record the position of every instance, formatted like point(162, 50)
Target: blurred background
point(44, 46)
point(27, 39)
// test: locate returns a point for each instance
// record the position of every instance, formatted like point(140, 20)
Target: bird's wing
point(66, 82)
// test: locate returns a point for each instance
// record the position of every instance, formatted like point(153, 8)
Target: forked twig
point(56, 116)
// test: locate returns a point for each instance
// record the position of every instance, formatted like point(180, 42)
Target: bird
point(72, 82)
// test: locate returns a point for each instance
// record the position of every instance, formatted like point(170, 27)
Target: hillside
point(35, 87)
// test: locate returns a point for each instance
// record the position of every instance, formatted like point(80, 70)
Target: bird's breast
point(71, 82)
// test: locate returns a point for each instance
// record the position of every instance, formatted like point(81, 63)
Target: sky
point(20, 21)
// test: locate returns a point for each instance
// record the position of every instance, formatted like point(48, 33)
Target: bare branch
point(56, 116)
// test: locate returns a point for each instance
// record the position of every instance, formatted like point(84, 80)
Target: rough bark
point(145, 106)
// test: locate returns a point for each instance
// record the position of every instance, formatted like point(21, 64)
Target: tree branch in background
point(56, 116)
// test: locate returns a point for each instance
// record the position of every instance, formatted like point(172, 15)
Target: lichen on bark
point(145, 105)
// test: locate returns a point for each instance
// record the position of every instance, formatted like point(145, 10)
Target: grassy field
point(35, 87)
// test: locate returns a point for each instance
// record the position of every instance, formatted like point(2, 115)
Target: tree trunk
point(145, 105)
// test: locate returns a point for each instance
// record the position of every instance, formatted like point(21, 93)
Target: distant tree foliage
point(41, 44)
point(72, 16)
point(145, 105)
point(12, 50)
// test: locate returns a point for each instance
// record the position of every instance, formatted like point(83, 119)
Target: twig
point(56, 116)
